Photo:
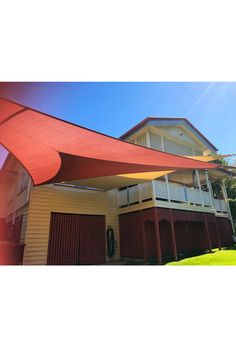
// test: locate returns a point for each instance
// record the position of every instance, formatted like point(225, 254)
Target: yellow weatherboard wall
point(47, 199)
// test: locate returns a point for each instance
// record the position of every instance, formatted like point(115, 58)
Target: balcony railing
point(220, 205)
point(170, 193)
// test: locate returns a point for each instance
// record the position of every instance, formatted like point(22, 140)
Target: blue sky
point(113, 108)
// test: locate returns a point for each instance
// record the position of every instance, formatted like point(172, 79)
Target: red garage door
point(76, 239)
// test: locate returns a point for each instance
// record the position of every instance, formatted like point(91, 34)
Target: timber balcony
point(169, 195)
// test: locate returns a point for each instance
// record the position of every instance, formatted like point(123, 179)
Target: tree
point(230, 183)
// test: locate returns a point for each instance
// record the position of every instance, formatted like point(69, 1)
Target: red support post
point(208, 234)
point(143, 236)
point(218, 235)
point(175, 254)
point(158, 238)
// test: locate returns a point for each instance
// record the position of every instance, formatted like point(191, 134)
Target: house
point(65, 223)
point(181, 204)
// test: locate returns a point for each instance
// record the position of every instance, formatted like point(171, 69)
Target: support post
point(166, 177)
point(208, 234)
point(143, 237)
point(153, 192)
point(167, 187)
point(218, 234)
point(199, 186)
point(158, 237)
point(209, 188)
point(225, 195)
point(140, 199)
point(175, 254)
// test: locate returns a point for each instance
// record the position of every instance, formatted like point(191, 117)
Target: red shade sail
point(53, 150)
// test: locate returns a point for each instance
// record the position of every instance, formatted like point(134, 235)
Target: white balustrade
point(123, 198)
point(146, 191)
point(133, 194)
point(178, 193)
point(194, 196)
point(161, 190)
point(220, 205)
point(223, 206)
point(206, 196)
point(217, 204)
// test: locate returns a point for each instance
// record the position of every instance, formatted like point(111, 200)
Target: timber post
point(158, 237)
point(175, 253)
point(208, 234)
point(143, 237)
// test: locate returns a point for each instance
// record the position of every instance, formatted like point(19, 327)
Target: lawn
point(226, 256)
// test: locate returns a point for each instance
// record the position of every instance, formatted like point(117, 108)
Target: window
point(155, 141)
point(177, 149)
point(141, 140)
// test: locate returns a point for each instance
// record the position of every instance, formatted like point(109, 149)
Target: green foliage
point(221, 161)
point(230, 183)
point(216, 185)
point(232, 204)
point(216, 188)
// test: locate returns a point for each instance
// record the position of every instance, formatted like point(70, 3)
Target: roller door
point(76, 239)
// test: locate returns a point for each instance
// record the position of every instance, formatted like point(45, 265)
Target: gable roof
point(169, 121)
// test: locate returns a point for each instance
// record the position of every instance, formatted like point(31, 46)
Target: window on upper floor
point(155, 141)
point(178, 149)
point(141, 140)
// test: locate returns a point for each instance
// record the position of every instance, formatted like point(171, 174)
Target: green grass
point(226, 256)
